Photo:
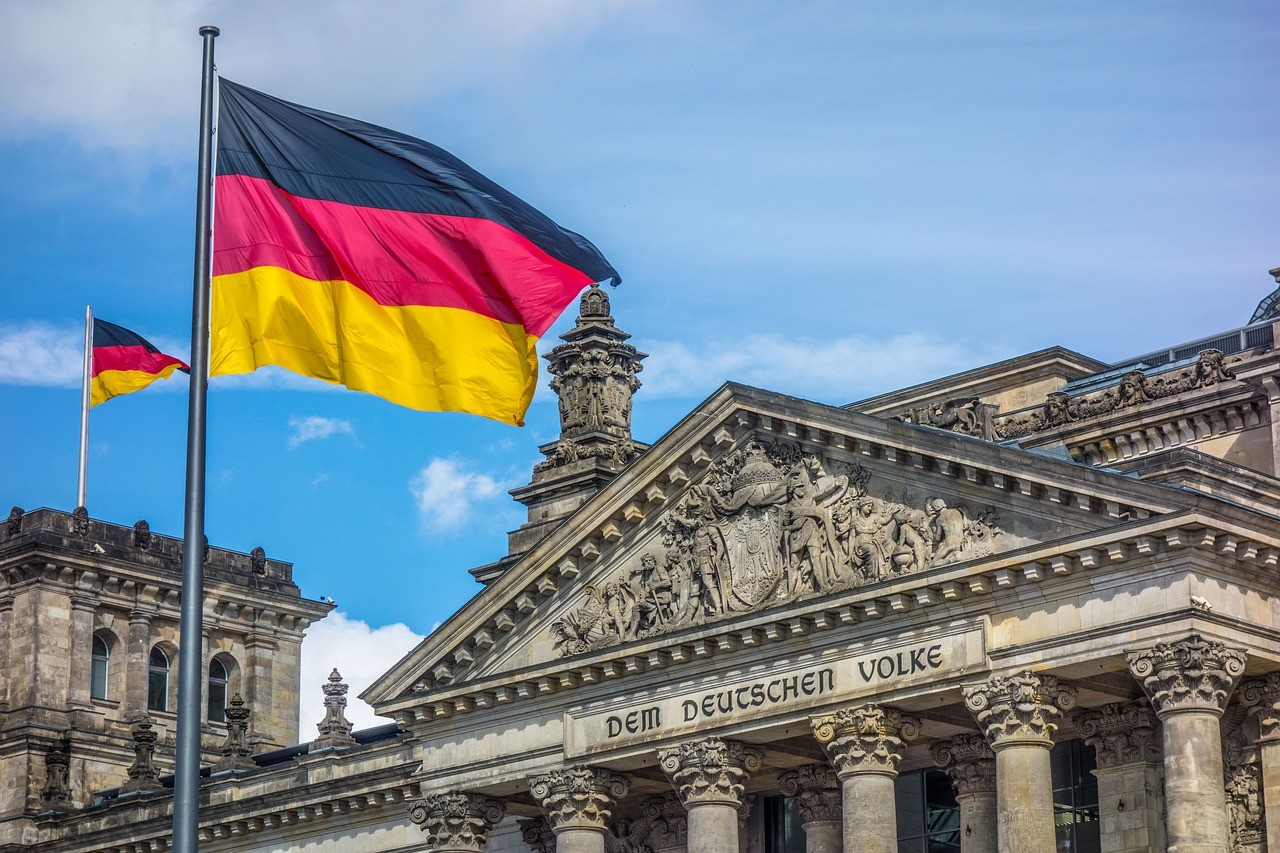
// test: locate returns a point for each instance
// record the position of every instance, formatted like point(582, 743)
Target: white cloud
point(837, 370)
point(315, 428)
point(360, 653)
point(446, 493)
point(125, 75)
point(41, 354)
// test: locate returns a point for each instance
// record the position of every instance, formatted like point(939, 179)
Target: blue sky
point(828, 199)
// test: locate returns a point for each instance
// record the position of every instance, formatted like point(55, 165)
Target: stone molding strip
point(921, 591)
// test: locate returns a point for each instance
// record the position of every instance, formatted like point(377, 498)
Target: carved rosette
point(537, 833)
point(456, 821)
point(1261, 696)
point(579, 797)
point(1193, 674)
point(969, 762)
point(710, 771)
point(867, 739)
point(816, 789)
point(1022, 708)
point(670, 820)
point(1121, 733)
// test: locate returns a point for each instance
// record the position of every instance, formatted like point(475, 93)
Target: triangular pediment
point(758, 501)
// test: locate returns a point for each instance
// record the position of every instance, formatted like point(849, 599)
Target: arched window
point(218, 679)
point(158, 681)
point(101, 660)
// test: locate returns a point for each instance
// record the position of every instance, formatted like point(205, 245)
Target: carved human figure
point(1211, 368)
point(656, 589)
point(809, 538)
point(947, 524)
point(873, 543)
point(697, 516)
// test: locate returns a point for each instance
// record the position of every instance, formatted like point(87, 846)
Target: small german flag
point(124, 361)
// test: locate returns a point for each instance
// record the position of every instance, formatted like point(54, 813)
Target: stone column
point(1262, 697)
point(137, 651)
point(455, 822)
point(1126, 739)
point(971, 765)
point(865, 745)
point(1189, 683)
point(1018, 714)
point(710, 777)
point(817, 791)
point(578, 802)
point(670, 824)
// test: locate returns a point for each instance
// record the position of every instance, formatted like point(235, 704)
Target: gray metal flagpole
point(82, 482)
point(186, 778)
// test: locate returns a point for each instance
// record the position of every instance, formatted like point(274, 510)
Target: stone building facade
point(1029, 607)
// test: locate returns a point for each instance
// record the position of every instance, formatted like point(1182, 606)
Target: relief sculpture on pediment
point(768, 525)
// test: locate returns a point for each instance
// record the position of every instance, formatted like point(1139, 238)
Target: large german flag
point(370, 259)
point(124, 361)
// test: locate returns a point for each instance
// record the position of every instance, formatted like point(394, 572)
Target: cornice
point(934, 590)
point(652, 484)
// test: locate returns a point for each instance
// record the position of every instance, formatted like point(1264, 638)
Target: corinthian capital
point(709, 771)
point(669, 818)
point(579, 797)
point(970, 763)
point(816, 791)
point(1121, 733)
point(867, 739)
point(1022, 707)
point(454, 821)
point(536, 832)
point(1261, 696)
point(1194, 674)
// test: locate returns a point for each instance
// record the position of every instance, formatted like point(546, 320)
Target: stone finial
point(537, 833)
point(594, 376)
point(56, 794)
point(867, 739)
point(142, 772)
point(1261, 696)
point(1121, 733)
point(670, 820)
point(335, 728)
point(1017, 708)
point(968, 761)
point(456, 822)
point(15, 520)
point(579, 797)
point(258, 560)
point(80, 520)
point(816, 790)
point(711, 770)
point(141, 534)
point(1193, 674)
point(235, 749)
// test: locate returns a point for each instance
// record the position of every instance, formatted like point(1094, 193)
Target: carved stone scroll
point(537, 833)
point(816, 789)
point(670, 821)
point(969, 762)
point(1121, 733)
point(579, 797)
point(1019, 708)
point(867, 739)
point(1189, 674)
point(712, 770)
point(455, 821)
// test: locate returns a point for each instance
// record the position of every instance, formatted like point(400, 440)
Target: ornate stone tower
point(594, 375)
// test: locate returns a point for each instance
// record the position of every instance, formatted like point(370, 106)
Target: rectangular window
point(158, 690)
point(1075, 797)
point(782, 832)
point(928, 815)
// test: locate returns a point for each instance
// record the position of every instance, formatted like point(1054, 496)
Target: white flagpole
point(84, 406)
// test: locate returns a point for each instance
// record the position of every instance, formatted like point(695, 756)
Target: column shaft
point(579, 840)
point(871, 820)
point(1024, 798)
point(1193, 783)
point(978, 820)
point(823, 836)
point(713, 828)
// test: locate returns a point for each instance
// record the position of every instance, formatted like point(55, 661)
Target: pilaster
point(1261, 696)
point(816, 789)
point(670, 823)
point(1126, 739)
point(971, 766)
